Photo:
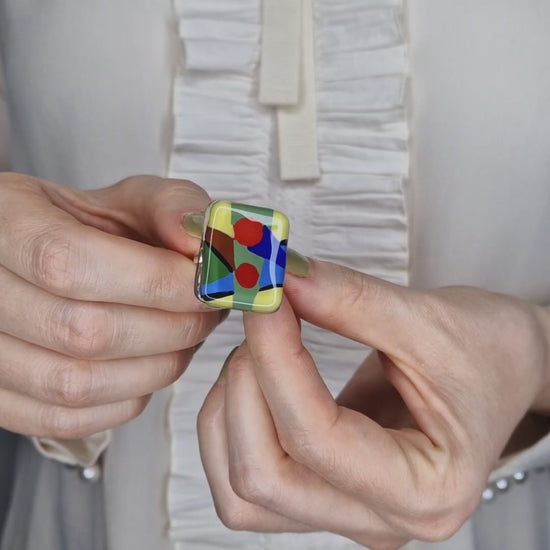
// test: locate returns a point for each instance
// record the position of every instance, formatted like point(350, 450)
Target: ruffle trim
point(354, 215)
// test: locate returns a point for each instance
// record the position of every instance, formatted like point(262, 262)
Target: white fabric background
point(480, 148)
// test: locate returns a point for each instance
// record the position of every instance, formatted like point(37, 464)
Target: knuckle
point(210, 415)
point(239, 364)
point(52, 260)
point(357, 289)
point(359, 292)
point(253, 484)
point(135, 407)
point(299, 444)
point(438, 314)
point(437, 529)
point(61, 423)
point(71, 384)
point(182, 190)
point(84, 330)
point(177, 364)
point(306, 444)
point(233, 516)
point(164, 284)
point(11, 183)
point(196, 327)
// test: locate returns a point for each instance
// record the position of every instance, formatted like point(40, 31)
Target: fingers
point(234, 511)
point(285, 370)
point(312, 429)
point(59, 380)
point(91, 330)
point(261, 472)
point(256, 485)
point(152, 207)
point(49, 247)
point(355, 305)
point(24, 415)
point(300, 404)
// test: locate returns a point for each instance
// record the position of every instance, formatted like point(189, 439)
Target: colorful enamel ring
point(241, 262)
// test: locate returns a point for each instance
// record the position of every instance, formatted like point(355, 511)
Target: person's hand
point(281, 454)
point(97, 309)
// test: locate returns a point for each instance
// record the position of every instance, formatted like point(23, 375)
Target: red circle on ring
point(248, 232)
point(247, 275)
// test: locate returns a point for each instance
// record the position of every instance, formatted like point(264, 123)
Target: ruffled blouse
point(480, 195)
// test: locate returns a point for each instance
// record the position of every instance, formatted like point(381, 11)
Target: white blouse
point(133, 86)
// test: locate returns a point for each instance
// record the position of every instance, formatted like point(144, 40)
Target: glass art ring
point(241, 262)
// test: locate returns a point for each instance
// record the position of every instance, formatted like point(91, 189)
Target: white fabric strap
point(281, 52)
point(298, 154)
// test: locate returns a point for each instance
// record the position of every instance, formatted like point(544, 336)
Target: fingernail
point(296, 263)
point(223, 372)
point(193, 223)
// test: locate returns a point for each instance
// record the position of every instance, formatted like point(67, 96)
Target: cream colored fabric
point(76, 452)
point(281, 52)
point(287, 82)
point(479, 147)
point(297, 124)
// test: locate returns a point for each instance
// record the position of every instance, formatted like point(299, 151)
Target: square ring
point(241, 263)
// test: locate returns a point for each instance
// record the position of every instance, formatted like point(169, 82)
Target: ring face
point(242, 257)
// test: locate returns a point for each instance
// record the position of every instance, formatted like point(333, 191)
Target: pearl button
point(488, 494)
point(520, 477)
point(502, 484)
point(90, 474)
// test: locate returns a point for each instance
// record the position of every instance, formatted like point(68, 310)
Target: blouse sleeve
point(83, 452)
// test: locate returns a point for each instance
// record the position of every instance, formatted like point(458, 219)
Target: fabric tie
point(287, 82)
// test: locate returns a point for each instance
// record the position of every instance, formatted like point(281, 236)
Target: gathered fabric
point(353, 213)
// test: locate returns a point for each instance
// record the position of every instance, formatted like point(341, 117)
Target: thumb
point(144, 208)
point(360, 307)
point(155, 208)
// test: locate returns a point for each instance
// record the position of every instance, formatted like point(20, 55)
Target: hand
point(281, 454)
point(95, 311)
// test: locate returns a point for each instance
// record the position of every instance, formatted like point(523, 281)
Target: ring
point(242, 258)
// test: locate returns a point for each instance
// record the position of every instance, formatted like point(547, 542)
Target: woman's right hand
point(405, 451)
point(95, 312)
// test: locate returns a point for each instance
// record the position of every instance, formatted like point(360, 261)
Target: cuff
point(83, 452)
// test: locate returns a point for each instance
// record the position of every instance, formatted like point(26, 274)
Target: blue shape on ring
point(218, 288)
point(263, 248)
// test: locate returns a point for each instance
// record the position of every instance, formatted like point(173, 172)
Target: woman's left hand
point(281, 454)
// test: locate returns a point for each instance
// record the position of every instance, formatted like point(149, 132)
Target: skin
point(405, 451)
point(98, 312)
point(97, 308)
